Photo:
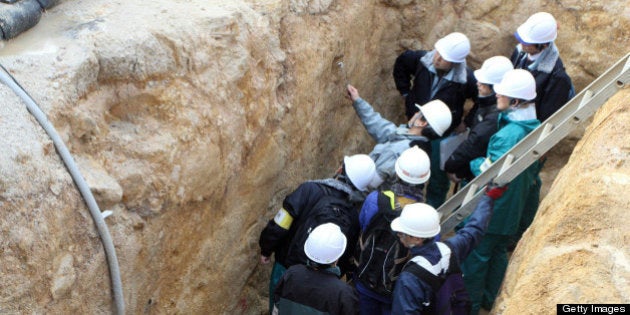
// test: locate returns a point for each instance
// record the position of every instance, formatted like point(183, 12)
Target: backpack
point(328, 209)
point(449, 293)
point(380, 256)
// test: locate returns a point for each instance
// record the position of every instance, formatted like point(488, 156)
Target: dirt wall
point(192, 120)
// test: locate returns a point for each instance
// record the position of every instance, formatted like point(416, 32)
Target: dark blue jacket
point(553, 84)
point(453, 89)
point(482, 126)
point(412, 295)
point(305, 290)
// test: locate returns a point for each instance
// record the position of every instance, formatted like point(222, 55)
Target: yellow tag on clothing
point(283, 219)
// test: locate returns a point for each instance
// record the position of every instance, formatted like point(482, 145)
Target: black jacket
point(305, 290)
point(552, 82)
point(275, 239)
point(414, 64)
point(483, 125)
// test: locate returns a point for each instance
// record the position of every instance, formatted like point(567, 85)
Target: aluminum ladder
point(536, 143)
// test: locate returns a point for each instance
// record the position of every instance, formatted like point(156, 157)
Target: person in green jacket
point(485, 267)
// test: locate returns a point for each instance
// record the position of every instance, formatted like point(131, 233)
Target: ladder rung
point(546, 131)
point(471, 193)
point(506, 164)
point(588, 94)
point(626, 66)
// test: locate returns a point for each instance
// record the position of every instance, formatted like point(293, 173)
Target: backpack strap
point(435, 282)
point(434, 275)
point(445, 275)
point(386, 200)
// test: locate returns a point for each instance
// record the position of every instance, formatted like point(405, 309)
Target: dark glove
point(495, 191)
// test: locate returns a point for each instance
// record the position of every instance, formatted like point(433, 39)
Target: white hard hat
point(493, 69)
point(453, 47)
point(360, 169)
point(419, 220)
point(438, 115)
point(413, 166)
point(517, 83)
point(540, 28)
point(325, 244)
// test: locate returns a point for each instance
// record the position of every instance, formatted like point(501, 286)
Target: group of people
point(374, 223)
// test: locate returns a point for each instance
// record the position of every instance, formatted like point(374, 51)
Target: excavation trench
point(192, 121)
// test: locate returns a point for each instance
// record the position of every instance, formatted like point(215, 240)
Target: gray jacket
point(391, 140)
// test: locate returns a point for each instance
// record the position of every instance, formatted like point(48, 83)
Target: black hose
point(47, 4)
point(18, 17)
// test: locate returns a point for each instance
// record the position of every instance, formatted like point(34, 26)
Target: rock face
point(192, 120)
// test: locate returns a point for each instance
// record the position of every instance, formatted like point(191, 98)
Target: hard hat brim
point(500, 89)
point(521, 40)
point(481, 77)
point(438, 129)
point(439, 47)
point(396, 226)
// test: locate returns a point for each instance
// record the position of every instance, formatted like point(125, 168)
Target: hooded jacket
point(513, 126)
point(553, 84)
point(453, 88)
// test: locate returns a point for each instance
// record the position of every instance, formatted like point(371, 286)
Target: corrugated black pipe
point(47, 4)
point(17, 17)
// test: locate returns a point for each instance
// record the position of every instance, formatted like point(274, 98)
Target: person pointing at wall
point(430, 122)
